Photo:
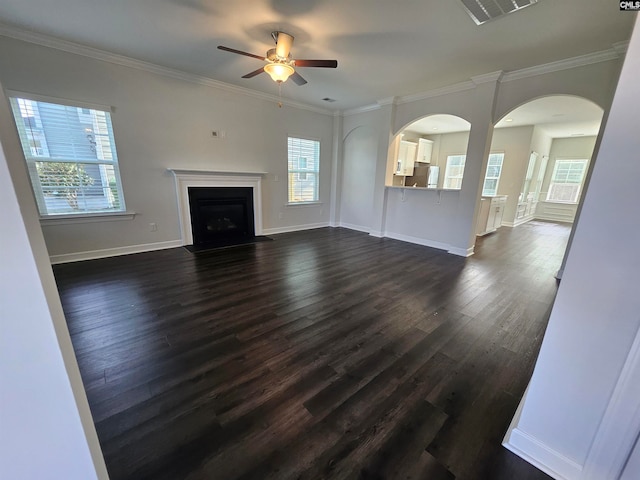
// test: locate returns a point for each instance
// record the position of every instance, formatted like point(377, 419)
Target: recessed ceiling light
point(434, 128)
point(508, 119)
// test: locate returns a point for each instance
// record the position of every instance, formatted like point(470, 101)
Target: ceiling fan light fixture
point(279, 72)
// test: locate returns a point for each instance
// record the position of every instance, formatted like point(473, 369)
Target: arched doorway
point(430, 153)
point(546, 149)
point(548, 145)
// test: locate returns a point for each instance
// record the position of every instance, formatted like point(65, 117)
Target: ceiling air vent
point(481, 11)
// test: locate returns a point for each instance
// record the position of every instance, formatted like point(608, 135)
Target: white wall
point(46, 429)
point(161, 122)
point(595, 316)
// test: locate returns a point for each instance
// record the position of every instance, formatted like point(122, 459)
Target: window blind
point(71, 157)
point(454, 172)
point(303, 169)
point(566, 181)
point(492, 177)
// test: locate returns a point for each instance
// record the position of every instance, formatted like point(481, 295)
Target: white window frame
point(111, 202)
point(485, 191)
point(556, 187)
point(296, 173)
point(449, 177)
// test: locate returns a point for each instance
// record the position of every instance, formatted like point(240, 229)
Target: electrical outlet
point(281, 215)
point(153, 227)
point(276, 178)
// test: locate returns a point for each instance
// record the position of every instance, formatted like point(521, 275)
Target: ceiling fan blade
point(317, 63)
point(297, 78)
point(254, 73)
point(240, 52)
point(283, 44)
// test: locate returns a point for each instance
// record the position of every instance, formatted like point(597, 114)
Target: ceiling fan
point(280, 66)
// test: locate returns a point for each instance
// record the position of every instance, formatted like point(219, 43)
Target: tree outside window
point(71, 157)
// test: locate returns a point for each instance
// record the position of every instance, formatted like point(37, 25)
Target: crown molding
point(387, 101)
point(618, 50)
point(122, 60)
point(364, 109)
point(566, 64)
point(621, 47)
point(487, 78)
point(437, 92)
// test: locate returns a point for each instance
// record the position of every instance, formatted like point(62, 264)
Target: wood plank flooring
point(324, 354)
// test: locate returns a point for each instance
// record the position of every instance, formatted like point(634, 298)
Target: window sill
point(431, 189)
point(302, 204)
point(87, 218)
point(559, 203)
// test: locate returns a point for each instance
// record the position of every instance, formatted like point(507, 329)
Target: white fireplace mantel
point(204, 178)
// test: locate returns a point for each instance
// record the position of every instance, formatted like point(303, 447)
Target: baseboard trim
point(293, 228)
point(417, 240)
point(515, 223)
point(541, 456)
point(112, 252)
point(461, 252)
point(358, 228)
point(556, 218)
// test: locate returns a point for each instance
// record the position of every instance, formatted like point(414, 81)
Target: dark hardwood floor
point(324, 354)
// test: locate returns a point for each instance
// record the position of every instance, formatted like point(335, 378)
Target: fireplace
point(221, 215)
point(185, 180)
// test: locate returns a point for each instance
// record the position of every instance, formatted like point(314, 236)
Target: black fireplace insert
point(221, 215)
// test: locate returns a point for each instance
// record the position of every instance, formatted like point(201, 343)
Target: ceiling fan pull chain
point(280, 94)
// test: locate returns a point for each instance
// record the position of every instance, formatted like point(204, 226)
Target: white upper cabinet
point(406, 158)
point(425, 147)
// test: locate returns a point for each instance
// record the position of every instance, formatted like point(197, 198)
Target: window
point(566, 181)
point(454, 171)
point(304, 166)
point(71, 157)
point(492, 177)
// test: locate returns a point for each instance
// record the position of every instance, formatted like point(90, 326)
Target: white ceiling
point(383, 48)
point(558, 116)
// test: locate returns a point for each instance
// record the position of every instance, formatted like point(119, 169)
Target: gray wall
point(358, 174)
point(159, 123)
point(47, 429)
point(581, 414)
point(446, 220)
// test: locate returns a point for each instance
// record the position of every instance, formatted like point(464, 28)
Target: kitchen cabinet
point(406, 158)
point(425, 147)
point(490, 214)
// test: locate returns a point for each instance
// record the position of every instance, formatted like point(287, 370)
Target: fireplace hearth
point(221, 216)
